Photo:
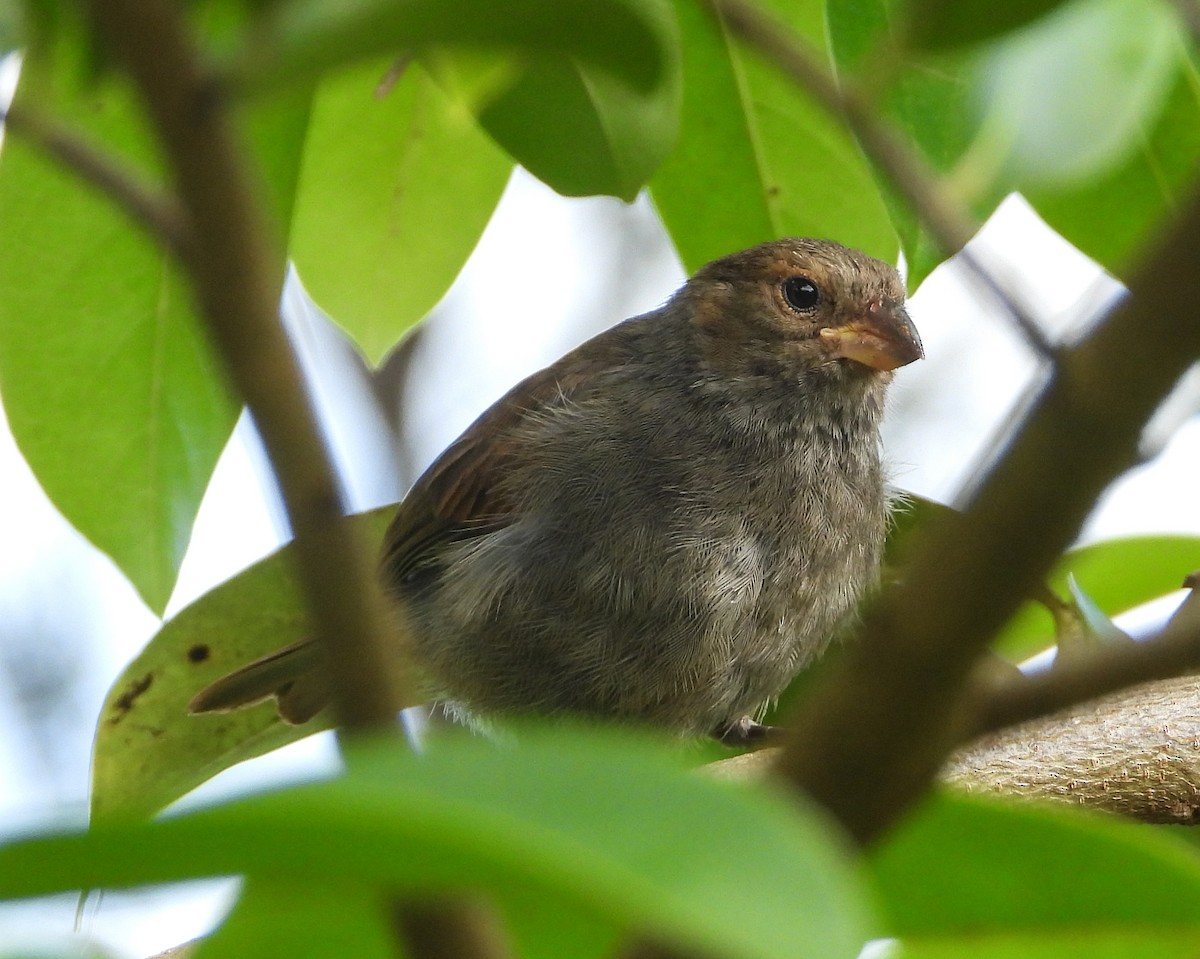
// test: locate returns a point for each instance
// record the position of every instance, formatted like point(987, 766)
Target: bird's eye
point(801, 293)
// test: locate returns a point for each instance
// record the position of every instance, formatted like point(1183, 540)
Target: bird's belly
point(685, 630)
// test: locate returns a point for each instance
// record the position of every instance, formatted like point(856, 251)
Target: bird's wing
point(462, 494)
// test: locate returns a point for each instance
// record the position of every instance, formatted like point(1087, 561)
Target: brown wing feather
point(461, 493)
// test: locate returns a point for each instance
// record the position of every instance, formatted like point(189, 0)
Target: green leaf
point(396, 189)
point(937, 24)
point(1120, 574)
point(148, 750)
point(965, 871)
point(581, 131)
point(306, 37)
point(728, 869)
point(756, 158)
point(111, 391)
point(278, 917)
point(1070, 97)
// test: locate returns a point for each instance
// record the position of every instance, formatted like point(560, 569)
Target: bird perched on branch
point(665, 525)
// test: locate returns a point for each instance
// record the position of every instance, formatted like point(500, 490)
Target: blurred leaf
point(726, 869)
point(980, 875)
point(297, 917)
point(756, 158)
point(307, 37)
point(1104, 155)
point(1120, 574)
point(1112, 216)
point(148, 750)
point(395, 191)
point(1072, 96)
point(938, 24)
point(569, 929)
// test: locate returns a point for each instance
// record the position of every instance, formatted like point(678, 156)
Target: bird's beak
point(883, 338)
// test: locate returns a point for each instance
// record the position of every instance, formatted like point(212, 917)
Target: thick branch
point(236, 275)
point(1135, 753)
point(875, 731)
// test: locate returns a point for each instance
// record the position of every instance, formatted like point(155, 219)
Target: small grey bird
point(665, 525)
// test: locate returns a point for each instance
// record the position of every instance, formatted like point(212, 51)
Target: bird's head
point(803, 304)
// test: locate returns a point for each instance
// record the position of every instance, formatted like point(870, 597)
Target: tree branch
point(236, 277)
point(1135, 753)
point(1176, 650)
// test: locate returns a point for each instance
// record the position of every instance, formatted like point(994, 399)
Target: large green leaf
point(991, 879)
point(757, 158)
point(726, 869)
point(396, 188)
point(149, 751)
point(303, 38)
point(110, 389)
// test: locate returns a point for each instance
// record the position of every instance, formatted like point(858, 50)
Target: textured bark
point(1135, 752)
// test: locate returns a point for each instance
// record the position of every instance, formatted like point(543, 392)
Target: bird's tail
point(292, 675)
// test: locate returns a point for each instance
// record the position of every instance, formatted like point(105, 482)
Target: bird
point(663, 527)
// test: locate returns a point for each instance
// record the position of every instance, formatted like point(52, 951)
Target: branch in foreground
point(875, 731)
point(236, 277)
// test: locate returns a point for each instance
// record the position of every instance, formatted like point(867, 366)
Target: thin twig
point(153, 210)
point(1173, 652)
point(947, 223)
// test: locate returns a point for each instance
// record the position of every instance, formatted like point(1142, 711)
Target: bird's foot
point(745, 732)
